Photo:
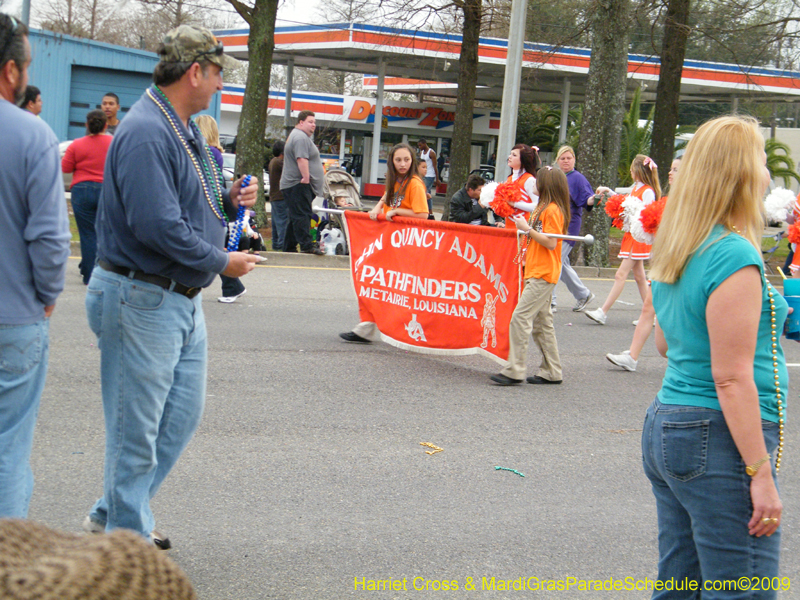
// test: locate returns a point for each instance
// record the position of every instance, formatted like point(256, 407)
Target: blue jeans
point(85, 196)
point(703, 499)
point(153, 374)
point(23, 367)
point(280, 221)
point(429, 185)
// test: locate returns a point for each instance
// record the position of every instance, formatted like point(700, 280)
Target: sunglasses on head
point(215, 51)
point(14, 27)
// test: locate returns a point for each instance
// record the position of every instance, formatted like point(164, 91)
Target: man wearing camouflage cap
point(161, 226)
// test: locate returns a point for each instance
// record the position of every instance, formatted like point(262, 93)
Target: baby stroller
point(340, 192)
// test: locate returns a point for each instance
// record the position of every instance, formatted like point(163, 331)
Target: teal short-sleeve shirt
point(681, 313)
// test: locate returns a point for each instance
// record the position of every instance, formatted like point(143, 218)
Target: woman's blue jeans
point(153, 375)
point(85, 197)
point(703, 499)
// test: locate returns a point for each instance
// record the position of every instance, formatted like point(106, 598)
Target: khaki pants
point(533, 317)
point(367, 330)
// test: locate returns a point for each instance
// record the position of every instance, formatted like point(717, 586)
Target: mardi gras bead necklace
point(236, 234)
point(209, 178)
point(522, 245)
point(774, 341)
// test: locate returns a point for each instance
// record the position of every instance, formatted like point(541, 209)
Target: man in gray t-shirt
point(301, 181)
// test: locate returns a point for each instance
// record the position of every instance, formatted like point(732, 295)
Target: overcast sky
point(290, 12)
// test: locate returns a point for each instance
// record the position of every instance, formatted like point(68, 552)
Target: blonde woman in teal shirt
point(710, 442)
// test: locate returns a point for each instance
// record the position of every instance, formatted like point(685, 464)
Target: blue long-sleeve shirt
point(153, 215)
point(579, 193)
point(34, 229)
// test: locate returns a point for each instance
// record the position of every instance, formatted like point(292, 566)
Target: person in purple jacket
point(580, 194)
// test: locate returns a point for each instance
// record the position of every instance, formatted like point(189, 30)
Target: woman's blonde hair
point(721, 182)
point(644, 170)
point(553, 187)
point(208, 127)
point(564, 150)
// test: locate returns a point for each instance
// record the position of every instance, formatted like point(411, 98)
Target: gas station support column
point(734, 105)
point(342, 136)
point(376, 125)
point(287, 115)
point(513, 76)
point(562, 134)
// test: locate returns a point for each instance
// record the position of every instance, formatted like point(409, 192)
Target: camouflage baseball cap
point(188, 43)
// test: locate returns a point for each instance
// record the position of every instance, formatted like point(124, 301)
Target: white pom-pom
point(778, 204)
point(637, 229)
point(631, 207)
point(487, 194)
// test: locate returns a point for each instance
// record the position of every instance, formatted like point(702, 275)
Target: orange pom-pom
point(794, 233)
point(613, 206)
point(618, 223)
point(651, 215)
point(505, 194)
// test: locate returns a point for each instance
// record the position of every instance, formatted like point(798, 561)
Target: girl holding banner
point(533, 315)
point(405, 196)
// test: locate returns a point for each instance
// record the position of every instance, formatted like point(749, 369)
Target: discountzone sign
point(362, 110)
point(435, 287)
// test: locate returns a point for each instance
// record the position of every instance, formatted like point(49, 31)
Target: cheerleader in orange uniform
point(524, 162)
point(405, 196)
point(633, 254)
point(533, 315)
point(794, 267)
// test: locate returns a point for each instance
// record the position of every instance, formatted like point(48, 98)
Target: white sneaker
point(597, 315)
point(90, 526)
point(622, 360)
point(636, 322)
point(229, 299)
point(581, 304)
point(553, 308)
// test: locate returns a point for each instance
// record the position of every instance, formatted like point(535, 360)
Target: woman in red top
point(644, 173)
point(86, 159)
point(524, 162)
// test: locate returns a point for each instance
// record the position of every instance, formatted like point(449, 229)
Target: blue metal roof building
point(73, 74)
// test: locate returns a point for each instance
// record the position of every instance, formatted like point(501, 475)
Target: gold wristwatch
point(753, 469)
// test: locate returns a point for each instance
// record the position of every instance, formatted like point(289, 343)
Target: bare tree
point(461, 144)
point(260, 16)
point(668, 92)
point(599, 146)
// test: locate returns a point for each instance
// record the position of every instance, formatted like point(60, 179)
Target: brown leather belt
point(164, 282)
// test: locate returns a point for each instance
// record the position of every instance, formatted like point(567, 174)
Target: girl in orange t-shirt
point(405, 196)
point(533, 315)
point(524, 162)
point(644, 173)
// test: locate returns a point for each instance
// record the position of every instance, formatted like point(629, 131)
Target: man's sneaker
point(581, 304)
point(636, 322)
point(229, 299)
point(597, 315)
point(553, 308)
point(160, 541)
point(622, 360)
point(90, 526)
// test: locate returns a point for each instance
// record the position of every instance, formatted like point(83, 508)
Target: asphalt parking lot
point(307, 474)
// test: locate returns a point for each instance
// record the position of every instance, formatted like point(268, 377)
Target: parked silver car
point(228, 166)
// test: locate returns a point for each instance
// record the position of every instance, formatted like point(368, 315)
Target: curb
point(296, 259)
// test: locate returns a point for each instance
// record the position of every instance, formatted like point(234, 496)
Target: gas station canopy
point(427, 62)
